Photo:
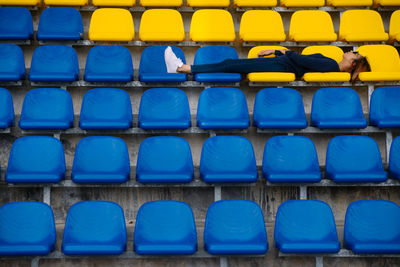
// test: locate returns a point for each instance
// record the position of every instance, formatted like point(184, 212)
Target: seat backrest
point(257, 49)
point(66, 2)
point(394, 28)
point(158, 3)
point(152, 59)
point(21, 2)
point(214, 54)
point(351, 3)
point(113, 2)
point(254, 3)
point(381, 58)
point(330, 51)
point(302, 3)
point(311, 25)
point(15, 23)
point(208, 3)
point(161, 25)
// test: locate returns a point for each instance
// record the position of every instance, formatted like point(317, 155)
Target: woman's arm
point(264, 53)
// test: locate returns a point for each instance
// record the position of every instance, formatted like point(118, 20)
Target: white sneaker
point(171, 60)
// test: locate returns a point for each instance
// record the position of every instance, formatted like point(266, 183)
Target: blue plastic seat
point(235, 227)
point(60, 23)
point(6, 109)
point(27, 228)
point(54, 63)
point(394, 159)
point(12, 64)
point(94, 228)
point(222, 108)
point(101, 159)
point(372, 226)
point(106, 108)
point(385, 108)
point(228, 159)
point(215, 54)
point(164, 108)
point(109, 63)
point(15, 23)
point(354, 158)
point(36, 159)
point(47, 108)
point(152, 66)
point(337, 107)
point(279, 108)
point(164, 159)
point(305, 226)
point(165, 227)
point(289, 159)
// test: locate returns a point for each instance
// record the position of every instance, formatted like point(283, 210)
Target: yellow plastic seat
point(268, 76)
point(161, 25)
point(66, 2)
point(384, 62)
point(20, 2)
point(212, 25)
point(394, 28)
point(261, 26)
point(333, 52)
point(311, 26)
point(340, 3)
point(113, 2)
point(362, 26)
point(159, 3)
point(111, 24)
point(386, 3)
point(208, 3)
point(302, 3)
point(255, 3)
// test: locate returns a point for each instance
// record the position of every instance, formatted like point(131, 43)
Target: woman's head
point(354, 63)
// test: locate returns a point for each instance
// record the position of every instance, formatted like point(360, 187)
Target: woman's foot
point(172, 61)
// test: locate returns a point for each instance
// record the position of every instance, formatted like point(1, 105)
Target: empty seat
point(164, 108)
point(394, 27)
point(394, 159)
point(212, 25)
point(12, 64)
point(261, 26)
point(94, 228)
point(15, 23)
point(6, 109)
point(337, 107)
point(66, 2)
point(109, 63)
point(254, 3)
point(302, 3)
point(152, 66)
point(27, 228)
point(36, 159)
point(47, 108)
point(311, 26)
point(101, 159)
point(106, 108)
point(345, 3)
point(159, 3)
point(54, 63)
point(21, 2)
point(378, 3)
point(354, 158)
point(215, 54)
point(372, 226)
point(113, 2)
point(290, 159)
point(165, 227)
point(111, 24)
point(209, 3)
point(60, 23)
point(222, 108)
point(384, 108)
point(164, 159)
point(161, 25)
point(235, 227)
point(228, 159)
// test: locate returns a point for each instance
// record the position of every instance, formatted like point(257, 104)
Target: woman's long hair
point(362, 65)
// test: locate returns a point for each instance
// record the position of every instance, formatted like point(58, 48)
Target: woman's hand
point(264, 53)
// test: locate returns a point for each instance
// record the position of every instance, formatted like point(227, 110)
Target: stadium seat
point(311, 26)
point(106, 108)
point(152, 66)
point(352, 158)
point(12, 64)
point(161, 25)
point(228, 159)
point(394, 159)
point(54, 63)
point(165, 227)
point(394, 27)
point(254, 3)
point(60, 23)
point(164, 108)
point(235, 226)
point(21, 2)
point(212, 25)
point(6, 109)
point(109, 63)
point(291, 159)
point(372, 227)
point(101, 159)
point(378, 3)
point(351, 3)
point(215, 54)
point(261, 26)
point(222, 108)
point(208, 3)
point(268, 76)
point(305, 226)
point(384, 62)
point(15, 23)
point(113, 2)
point(330, 51)
point(66, 2)
point(94, 228)
point(161, 3)
point(337, 107)
point(384, 108)
point(302, 3)
point(36, 159)
point(164, 159)
point(111, 24)
point(362, 26)
point(27, 228)
point(47, 108)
